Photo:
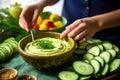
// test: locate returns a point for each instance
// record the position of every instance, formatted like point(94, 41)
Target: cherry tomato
point(49, 23)
point(36, 27)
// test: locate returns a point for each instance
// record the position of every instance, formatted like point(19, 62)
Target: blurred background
point(54, 8)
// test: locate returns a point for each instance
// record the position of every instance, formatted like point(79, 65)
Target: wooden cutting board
point(114, 76)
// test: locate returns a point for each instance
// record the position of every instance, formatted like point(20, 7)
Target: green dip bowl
point(45, 61)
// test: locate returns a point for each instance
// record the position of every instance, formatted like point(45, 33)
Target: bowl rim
point(21, 51)
point(11, 69)
point(25, 75)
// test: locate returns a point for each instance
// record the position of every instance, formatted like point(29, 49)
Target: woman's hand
point(29, 15)
point(81, 30)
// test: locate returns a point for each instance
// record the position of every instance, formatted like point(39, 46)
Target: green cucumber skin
point(114, 65)
point(8, 47)
point(104, 69)
point(96, 65)
point(94, 50)
point(68, 75)
point(79, 67)
point(101, 60)
point(106, 56)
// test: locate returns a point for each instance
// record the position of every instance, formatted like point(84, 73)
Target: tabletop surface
point(17, 62)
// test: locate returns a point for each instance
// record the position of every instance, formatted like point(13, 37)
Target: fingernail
point(27, 29)
point(61, 37)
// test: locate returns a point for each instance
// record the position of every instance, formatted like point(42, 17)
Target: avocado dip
point(47, 46)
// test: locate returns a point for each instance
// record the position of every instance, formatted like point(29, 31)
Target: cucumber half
point(94, 50)
point(96, 65)
point(88, 56)
point(100, 59)
point(114, 65)
point(83, 68)
point(106, 56)
point(68, 75)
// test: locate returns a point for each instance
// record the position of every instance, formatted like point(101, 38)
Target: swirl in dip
point(47, 46)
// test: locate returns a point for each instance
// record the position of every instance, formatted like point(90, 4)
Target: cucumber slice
point(2, 56)
point(86, 61)
point(8, 47)
point(83, 45)
point(14, 45)
point(94, 50)
point(115, 48)
point(10, 39)
point(96, 65)
point(90, 41)
point(114, 65)
point(83, 68)
point(106, 56)
point(100, 59)
point(97, 41)
point(90, 46)
point(68, 75)
point(113, 53)
point(107, 45)
point(84, 77)
point(105, 70)
point(5, 51)
point(79, 51)
point(88, 56)
point(101, 47)
point(13, 42)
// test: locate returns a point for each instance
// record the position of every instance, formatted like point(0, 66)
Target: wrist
point(41, 3)
point(98, 22)
point(46, 2)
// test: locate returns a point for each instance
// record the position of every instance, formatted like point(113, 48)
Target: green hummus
point(47, 46)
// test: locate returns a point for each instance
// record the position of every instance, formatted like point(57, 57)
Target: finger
point(23, 21)
point(80, 36)
point(73, 25)
point(85, 38)
point(69, 28)
point(64, 34)
point(35, 16)
point(77, 30)
point(23, 24)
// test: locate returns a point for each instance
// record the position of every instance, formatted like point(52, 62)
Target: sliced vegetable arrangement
point(48, 21)
point(8, 48)
point(99, 58)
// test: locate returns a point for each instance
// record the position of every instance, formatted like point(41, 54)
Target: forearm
point(47, 2)
point(108, 20)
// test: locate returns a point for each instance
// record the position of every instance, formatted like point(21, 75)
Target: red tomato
point(49, 23)
point(36, 27)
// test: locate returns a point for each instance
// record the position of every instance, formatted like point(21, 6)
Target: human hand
point(29, 15)
point(81, 30)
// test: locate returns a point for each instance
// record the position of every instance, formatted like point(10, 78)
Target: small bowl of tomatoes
point(48, 21)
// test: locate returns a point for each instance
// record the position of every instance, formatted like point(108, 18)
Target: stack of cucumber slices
point(7, 48)
point(99, 58)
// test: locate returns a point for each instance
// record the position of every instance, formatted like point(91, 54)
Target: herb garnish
point(45, 44)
